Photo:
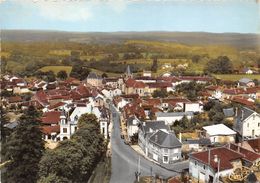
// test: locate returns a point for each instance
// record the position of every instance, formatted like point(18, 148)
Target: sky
point(240, 16)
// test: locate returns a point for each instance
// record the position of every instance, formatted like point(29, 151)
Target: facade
point(171, 117)
point(204, 165)
point(94, 80)
point(219, 133)
point(158, 143)
point(247, 123)
point(132, 126)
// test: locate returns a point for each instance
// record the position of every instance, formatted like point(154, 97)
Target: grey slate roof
point(200, 141)
point(128, 70)
point(164, 139)
point(93, 75)
point(245, 80)
point(130, 120)
point(229, 112)
point(244, 113)
point(154, 125)
point(173, 114)
point(11, 125)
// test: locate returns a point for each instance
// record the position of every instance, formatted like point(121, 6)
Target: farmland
point(56, 69)
point(236, 77)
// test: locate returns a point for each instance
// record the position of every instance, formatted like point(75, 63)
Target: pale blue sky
point(241, 16)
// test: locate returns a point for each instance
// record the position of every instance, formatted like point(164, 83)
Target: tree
point(53, 178)
point(62, 75)
point(24, 148)
point(160, 93)
point(87, 120)
point(221, 65)
point(79, 72)
point(154, 65)
point(5, 132)
point(79, 155)
point(49, 76)
point(104, 75)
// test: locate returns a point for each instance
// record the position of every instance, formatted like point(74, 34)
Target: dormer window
point(76, 118)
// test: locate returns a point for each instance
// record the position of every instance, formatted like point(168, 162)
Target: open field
point(56, 69)
point(236, 77)
point(60, 52)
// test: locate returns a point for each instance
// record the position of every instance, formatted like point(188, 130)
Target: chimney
point(180, 137)
point(242, 114)
point(209, 158)
point(156, 138)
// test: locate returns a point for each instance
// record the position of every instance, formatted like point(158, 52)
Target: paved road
point(125, 159)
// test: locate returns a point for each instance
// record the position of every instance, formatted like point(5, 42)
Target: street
point(125, 159)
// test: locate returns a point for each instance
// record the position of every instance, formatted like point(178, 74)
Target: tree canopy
point(24, 148)
point(75, 159)
point(220, 65)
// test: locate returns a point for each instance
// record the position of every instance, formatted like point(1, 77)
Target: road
point(125, 159)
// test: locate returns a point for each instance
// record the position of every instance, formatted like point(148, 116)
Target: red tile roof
point(50, 129)
point(247, 154)
point(242, 100)
point(52, 117)
point(226, 157)
point(255, 144)
point(15, 99)
point(54, 106)
point(160, 85)
point(134, 84)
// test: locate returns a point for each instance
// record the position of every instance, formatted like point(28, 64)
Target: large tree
point(62, 75)
point(75, 159)
point(24, 149)
point(220, 65)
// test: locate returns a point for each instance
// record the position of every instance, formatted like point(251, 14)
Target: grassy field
point(236, 77)
point(56, 69)
point(60, 52)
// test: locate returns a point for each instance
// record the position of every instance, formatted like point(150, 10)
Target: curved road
point(125, 159)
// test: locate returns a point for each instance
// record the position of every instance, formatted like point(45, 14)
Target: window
point(103, 130)
point(204, 167)
point(247, 125)
point(64, 130)
point(195, 163)
point(258, 124)
point(76, 128)
point(254, 117)
point(165, 158)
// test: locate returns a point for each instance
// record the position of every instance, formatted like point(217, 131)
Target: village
point(214, 132)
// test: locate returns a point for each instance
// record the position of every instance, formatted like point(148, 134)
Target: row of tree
point(28, 161)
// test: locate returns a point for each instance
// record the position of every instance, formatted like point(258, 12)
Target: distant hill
point(240, 41)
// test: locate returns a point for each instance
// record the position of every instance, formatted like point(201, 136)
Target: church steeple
point(128, 72)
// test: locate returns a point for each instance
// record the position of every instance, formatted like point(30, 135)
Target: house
point(247, 123)
point(246, 82)
point(111, 82)
point(147, 73)
point(94, 79)
point(132, 126)
point(193, 107)
point(171, 117)
point(247, 71)
point(204, 165)
point(195, 144)
point(132, 86)
point(158, 142)
point(219, 133)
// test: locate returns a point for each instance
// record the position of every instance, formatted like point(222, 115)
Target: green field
point(236, 77)
point(56, 69)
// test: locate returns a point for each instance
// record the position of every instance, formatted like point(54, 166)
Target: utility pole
point(138, 173)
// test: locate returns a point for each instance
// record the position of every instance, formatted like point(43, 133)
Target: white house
point(204, 165)
point(193, 107)
point(132, 126)
point(208, 166)
point(171, 117)
point(219, 133)
point(158, 143)
point(247, 123)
